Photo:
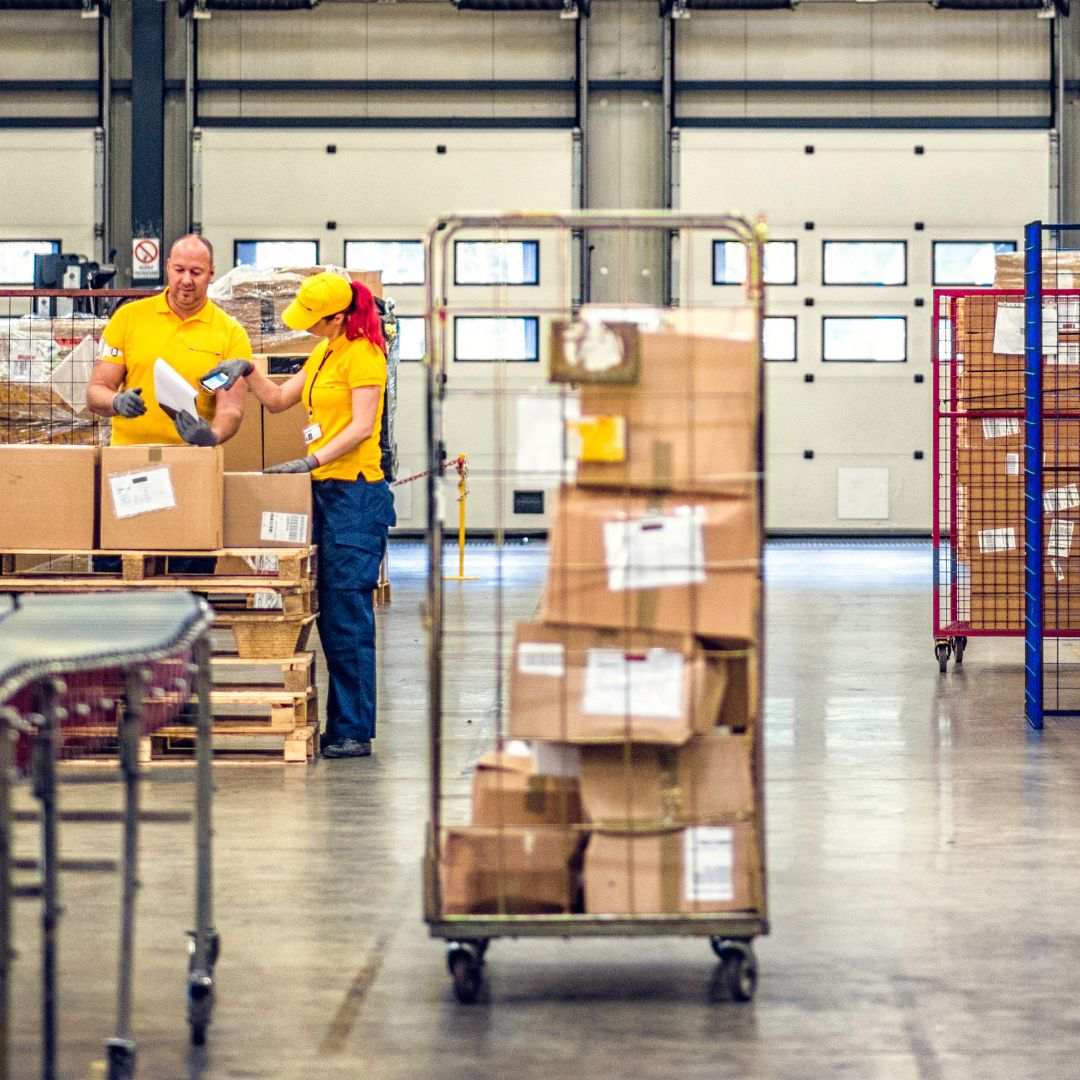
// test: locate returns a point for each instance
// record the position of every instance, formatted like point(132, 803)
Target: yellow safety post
point(461, 463)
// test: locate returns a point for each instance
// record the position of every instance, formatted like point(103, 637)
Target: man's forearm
point(99, 400)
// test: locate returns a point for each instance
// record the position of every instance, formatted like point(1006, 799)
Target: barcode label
point(709, 864)
point(1062, 498)
point(1000, 428)
point(269, 601)
point(285, 528)
point(997, 540)
point(541, 658)
point(1061, 533)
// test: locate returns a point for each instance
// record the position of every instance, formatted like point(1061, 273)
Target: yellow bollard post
point(462, 464)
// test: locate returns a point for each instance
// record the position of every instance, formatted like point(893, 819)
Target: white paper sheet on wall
point(1059, 543)
point(1062, 498)
point(862, 494)
point(656, 550)
point(142, 492)
point(633, 684)
point(541, 658)
point(709, 864)
point(991, 540)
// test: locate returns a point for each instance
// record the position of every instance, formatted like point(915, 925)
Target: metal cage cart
point(623, 792)
point(76, 660)
point(980, 463)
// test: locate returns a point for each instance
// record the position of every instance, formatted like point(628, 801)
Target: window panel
point(17, 259)
point(864, 262)
point(778, 338)
point(401, 261)
point(496, 262)
point(729, 262)
point(967, 262)
point(873, 339)
point(271, 254)
point(488, 338)
point(412, 336)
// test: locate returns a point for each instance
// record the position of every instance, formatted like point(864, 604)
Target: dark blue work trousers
point(352, 518)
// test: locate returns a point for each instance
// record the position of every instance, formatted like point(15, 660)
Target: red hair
point(362, 317)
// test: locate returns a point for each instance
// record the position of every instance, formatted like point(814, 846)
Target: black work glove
point(129, 403)
point(235, 369)
point(299, 465)
point(194, 429)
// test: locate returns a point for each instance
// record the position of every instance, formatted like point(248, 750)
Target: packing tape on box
point(670, 870)
point(662, 458)
point(646, 603)
point(154, 454)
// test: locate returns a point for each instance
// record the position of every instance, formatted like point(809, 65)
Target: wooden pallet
point(237, 741)
point(281, 710)
point(290, 672)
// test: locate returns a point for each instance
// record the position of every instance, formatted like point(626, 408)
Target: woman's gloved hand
point(129, 403)
point(194, 429)
point(234, 369)
point(299, 465)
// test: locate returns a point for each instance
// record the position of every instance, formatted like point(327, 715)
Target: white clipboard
point(173, 392)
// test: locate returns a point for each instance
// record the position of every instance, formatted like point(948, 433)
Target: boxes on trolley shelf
point(709, 778)
point(510, 789)
point(700, 868)
point(48, 497)
point(690, 422)
point(267, 509)
point(576, 684)
point(510, 870)
point(1060, 270)
point(684, 564)
point(161, 498)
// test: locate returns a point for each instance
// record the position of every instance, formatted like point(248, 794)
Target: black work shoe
point(346, 748)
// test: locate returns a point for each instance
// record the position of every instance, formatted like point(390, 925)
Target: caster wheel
point(737, 974)
point(959, 645)
point(212, 952)
point(942, 652)
point(466, 963)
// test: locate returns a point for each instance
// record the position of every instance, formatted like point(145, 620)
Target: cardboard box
point(161, 498)
point(267, 509)
point(697, 869)
point(244, 451)
point(687, 565)
point(710, 778)
point(1060, 270)
point(691, 421)
point(48, 497)
point(508, 790)
point(283, 432)
point(580, 685)
point(512, 871)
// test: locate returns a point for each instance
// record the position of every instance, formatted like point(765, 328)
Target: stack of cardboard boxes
point(637, 691)
point(989, 457)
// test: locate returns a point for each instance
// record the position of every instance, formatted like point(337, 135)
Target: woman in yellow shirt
point(342, 385)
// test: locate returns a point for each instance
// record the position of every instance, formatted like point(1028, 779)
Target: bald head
point(189, 271)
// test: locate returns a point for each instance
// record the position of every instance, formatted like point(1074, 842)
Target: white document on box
point(172, 390)
point(633, 684)
point(141, 492)
point(1009, 337)
point(709, 864)
point(656, 550)
point(542, 658)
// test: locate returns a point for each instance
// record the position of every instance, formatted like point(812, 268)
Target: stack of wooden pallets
point(264, 696)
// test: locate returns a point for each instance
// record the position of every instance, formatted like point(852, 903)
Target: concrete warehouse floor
point(921, 854)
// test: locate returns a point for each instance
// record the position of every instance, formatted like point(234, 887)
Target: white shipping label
point(1059, 545)
point(292, 528)
point(619, 683)
point(1012, 464)
point(269, 601)
point(1062, 498)
point(1000, 427)
point(709, 864)
point(1009, 338)
point(991, 540)
point(262, 564)
point(541, 658)
point(1056, 567)
point(656, 550)
point(142, 492)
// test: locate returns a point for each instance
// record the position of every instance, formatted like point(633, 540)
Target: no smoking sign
point(145, 258)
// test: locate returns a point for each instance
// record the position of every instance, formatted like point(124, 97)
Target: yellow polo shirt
point(143, 330)
point(331, 373)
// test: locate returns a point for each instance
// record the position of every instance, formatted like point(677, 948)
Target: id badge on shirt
point(312, 432)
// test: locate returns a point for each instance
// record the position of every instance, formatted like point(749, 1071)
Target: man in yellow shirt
point(190, 333)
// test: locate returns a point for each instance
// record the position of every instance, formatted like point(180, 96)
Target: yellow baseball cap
point(320, 295)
